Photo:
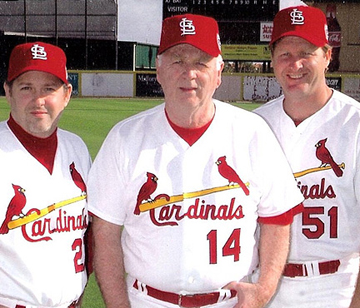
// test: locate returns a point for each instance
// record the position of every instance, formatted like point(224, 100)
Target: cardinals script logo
point(170, 207)
point(33, 218)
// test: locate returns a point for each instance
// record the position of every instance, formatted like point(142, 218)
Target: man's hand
point(274, 247)
point(250, 295)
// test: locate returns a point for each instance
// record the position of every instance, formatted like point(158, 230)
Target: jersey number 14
point(230, 248)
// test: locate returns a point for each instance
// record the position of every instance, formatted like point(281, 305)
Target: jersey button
point(191, 280)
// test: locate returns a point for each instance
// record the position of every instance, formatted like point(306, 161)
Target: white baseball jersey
point(43, 218)
point(192, 228)
point(324, 153)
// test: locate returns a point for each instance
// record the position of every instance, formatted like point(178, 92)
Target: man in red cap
point(319, 131)
point(184, 186)
point(43, 211)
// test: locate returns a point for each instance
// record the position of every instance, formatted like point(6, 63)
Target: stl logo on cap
point(297, 17)
point(187, 27)
point(38, 52)
point(199, 31)
point(37, 56)
point(306, 22)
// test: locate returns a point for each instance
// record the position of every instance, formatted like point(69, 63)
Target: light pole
point(86, 35)
point(25, 21)
point(56, 24)
point(116, 35)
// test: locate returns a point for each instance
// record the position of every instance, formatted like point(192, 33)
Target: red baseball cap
point(306, 22)
point(199, 31)
point(37, 56)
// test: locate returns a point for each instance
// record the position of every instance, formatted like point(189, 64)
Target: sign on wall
point(261, 88)
point(246, 52)
point(147, 85)
point(73, 78)
point(265, 31)
point(352, 87)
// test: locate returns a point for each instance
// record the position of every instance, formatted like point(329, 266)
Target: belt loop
point(312, 268)
point(224, 294)
point(305, 269)
point(179, 300)
point(140, 286)
point(308, 266)
point(316, 269)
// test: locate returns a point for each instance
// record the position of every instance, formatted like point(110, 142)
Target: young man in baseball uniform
point(43, 213)
point(319, 131)
point(185, 186)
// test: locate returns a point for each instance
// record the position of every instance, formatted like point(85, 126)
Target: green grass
point(91, 119)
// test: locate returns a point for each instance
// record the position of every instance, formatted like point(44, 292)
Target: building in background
point(80, 27)
point(124, 35)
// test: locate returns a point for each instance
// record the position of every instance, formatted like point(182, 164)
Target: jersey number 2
point(231, 247)
point(77, 246)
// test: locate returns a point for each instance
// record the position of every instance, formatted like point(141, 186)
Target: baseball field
point(91, 119)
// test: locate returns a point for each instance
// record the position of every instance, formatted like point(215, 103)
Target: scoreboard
point(224, 10)
point(239, 20)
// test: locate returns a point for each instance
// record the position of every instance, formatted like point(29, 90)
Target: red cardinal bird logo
point(15, 208)
point(77, 178)
point(145, 191)
point(323, 154)
point(230, 174)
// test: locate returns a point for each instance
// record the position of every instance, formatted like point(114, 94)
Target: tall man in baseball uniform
point(319, 131)
point(185, 185)
point(43, 214)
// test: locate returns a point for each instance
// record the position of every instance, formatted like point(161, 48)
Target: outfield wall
point(234, 87)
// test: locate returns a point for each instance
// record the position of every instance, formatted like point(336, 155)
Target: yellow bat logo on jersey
point(165, 200)
point(43, 212)
point(316, 169)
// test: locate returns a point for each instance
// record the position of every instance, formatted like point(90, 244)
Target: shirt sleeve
point(283, 219)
